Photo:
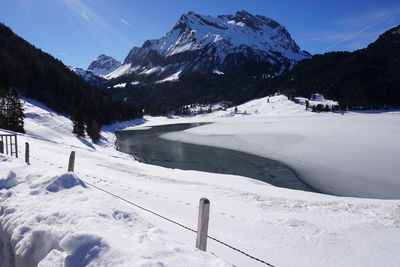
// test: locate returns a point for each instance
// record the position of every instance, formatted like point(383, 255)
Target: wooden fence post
point(1, 147)
point(202, 226)
point(27, 152)
point(71, 164)
point(16, 146)
point(6, 145)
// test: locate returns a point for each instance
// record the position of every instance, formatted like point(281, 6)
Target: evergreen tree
point(93, 130)
point(11, 111)
point(16, 113)
point(2, 109)
point(78, 124)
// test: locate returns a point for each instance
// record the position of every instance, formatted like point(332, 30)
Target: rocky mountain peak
point(253, 21)
point(104, 65)
point(200, 43)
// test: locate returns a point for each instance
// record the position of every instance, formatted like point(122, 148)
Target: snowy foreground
point(53, 218)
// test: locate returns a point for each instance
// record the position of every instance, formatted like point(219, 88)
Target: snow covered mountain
point(104, 65)
point(97, 70)
point(88, 76)
point(242, 42)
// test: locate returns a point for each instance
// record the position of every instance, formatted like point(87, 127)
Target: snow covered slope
point(226, 43)
point(55, 218)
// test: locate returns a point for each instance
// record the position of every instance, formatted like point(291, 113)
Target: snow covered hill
point(220, 44)
point(53, 218)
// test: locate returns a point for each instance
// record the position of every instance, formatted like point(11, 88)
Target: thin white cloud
point(92, 20)
point(365, 19)
point(352, 35)
point(325, 37)
point(84, 15)
point(125, 22)
point(371, 20)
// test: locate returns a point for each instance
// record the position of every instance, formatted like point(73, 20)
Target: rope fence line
point(71, 169)
point(240, 251)
point(179, 224)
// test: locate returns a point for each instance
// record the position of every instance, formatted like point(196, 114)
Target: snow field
point(54, 218)
point(67, 222)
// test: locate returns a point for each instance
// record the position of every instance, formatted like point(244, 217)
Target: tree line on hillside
point(364, 79)
point(199, 88)
point(39, 76)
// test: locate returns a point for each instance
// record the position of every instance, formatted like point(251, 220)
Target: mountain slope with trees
point(40, 76)
point(365, 79)
point(202, 88)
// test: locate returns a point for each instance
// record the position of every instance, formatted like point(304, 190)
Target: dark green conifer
point(93, 130)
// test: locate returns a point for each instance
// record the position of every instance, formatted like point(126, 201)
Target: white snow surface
point(53, 218)
point(152, 70)
point(120, 85)
point(123, 85)
point(218, 72)
point(120, 71)
point(172, 78)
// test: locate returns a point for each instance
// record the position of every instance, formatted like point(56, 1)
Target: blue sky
point(77, 31)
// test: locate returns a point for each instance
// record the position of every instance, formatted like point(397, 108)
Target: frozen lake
point(147, 146)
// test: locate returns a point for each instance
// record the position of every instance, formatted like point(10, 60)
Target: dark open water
point(148, 147)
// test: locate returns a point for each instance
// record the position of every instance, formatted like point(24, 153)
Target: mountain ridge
point(252, 44)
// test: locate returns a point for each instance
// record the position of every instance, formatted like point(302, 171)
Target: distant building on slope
point(317, 102)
